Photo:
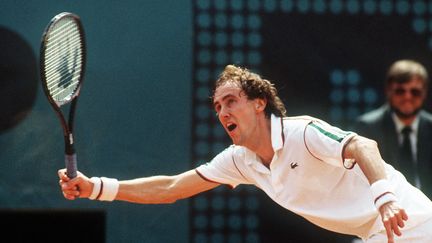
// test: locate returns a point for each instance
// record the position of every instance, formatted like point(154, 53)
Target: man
point(406, 85)
point(334, 179)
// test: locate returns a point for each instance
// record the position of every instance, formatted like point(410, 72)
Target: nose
point(223, 113)
point(406, 95)
point(409, 95)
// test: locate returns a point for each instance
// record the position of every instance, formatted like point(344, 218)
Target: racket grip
point(71, 165)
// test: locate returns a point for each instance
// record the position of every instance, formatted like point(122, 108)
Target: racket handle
point(71, 165)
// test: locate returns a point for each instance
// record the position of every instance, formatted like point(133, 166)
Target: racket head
point(62, 58)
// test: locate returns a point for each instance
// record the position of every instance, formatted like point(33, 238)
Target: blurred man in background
point(401, 127)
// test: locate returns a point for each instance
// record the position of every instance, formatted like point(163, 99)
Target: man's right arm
point(163, 189)
point(147, 190)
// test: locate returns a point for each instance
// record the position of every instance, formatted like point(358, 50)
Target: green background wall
point(132, 119)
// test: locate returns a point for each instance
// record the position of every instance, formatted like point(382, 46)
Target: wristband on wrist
point(388, 197)
point(109, 189)
point(96, 188)
point(382, 193)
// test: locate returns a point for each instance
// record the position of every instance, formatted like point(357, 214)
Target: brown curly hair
point(254, 87)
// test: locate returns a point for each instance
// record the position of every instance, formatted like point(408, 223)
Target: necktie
point(406, 156)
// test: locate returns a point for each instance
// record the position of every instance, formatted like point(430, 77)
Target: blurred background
point(144, 108)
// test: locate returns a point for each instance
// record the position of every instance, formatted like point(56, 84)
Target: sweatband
point(109, 189)
point(96, 187)
point(382, 192)
point(388, 197)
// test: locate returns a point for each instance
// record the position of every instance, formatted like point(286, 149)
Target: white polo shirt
point(309, 177)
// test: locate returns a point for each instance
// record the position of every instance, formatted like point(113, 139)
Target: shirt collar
point(399, 125)
point(277, 134)
point(277, 138)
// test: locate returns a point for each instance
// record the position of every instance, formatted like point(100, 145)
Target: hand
point(79, 186)
point(393, 217)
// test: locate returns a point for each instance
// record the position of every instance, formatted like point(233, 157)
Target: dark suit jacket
point(379, 126)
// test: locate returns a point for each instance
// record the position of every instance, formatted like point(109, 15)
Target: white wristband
point(382, 192)
point(109, 187)
point(96, 187)
point(388, 197)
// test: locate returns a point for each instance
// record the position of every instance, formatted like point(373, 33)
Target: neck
point(406, 120)
point(262, 145)
point(266, 159)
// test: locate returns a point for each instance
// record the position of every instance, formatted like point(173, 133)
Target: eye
point(217, 109)
point(230, 102)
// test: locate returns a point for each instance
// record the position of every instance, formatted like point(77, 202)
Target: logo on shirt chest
point(294, 165)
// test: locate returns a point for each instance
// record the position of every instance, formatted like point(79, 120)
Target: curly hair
point(254, 87)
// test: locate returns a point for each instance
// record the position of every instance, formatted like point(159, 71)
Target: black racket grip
point(71, 165)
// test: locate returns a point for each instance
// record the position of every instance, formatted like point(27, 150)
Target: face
point(236, 113)
point(406, 99)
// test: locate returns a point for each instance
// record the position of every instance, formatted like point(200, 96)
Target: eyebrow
point(223, 98)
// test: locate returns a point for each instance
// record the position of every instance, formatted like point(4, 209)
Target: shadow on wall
point(18, 79)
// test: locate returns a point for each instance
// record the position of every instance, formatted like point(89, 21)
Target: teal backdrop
point(132, 119)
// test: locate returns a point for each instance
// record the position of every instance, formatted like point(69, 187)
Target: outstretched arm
point(148, 190)
point(366, 154)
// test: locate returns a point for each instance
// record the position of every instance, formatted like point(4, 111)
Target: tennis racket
point(62, 65)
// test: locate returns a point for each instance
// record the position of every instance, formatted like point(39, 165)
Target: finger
point(61, 172)
point(63, 185)
point(68, 186)
point(404, 214)
point(71, 184)
point(400, 220)
point(77, 191)
point(71, 191)
point(62, 175)
point(389, 231)
point(395, 227)
point(69, 197)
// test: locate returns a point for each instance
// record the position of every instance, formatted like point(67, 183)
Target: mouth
point(231, 126)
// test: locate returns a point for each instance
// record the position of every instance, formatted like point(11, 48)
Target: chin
point(406, 115)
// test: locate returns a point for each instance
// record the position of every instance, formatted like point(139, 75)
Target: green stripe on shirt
point(337, 137)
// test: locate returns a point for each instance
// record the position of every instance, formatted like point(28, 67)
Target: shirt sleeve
point(327, 143)
point(223, 169)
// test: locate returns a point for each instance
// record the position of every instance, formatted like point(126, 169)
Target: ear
point(388, 91)
point(260, 104)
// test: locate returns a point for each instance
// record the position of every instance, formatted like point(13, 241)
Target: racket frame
point(67, 126)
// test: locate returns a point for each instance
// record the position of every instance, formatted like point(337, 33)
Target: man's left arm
point(366, 154)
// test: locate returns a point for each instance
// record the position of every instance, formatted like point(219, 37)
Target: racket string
point(62, 73)
point(52, 51)
point(56, 82)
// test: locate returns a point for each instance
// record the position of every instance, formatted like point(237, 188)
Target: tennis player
point(335, 179)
